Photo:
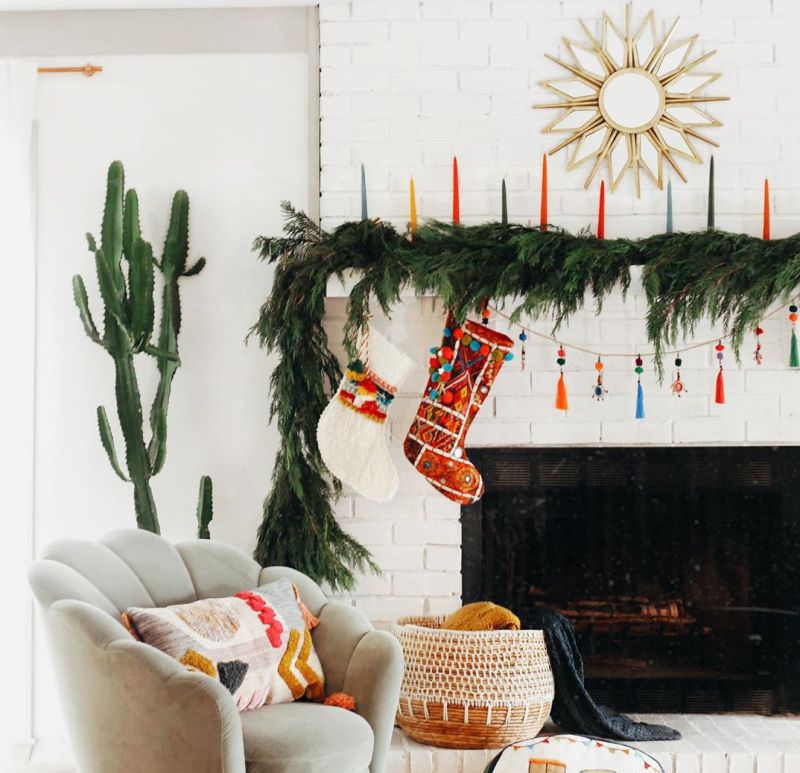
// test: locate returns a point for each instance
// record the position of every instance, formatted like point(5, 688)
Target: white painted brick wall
point(408, 83)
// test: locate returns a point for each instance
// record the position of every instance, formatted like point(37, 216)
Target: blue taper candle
point(363, 194)
point(669, 206)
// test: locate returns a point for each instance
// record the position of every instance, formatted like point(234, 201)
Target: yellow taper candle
point(413, 206)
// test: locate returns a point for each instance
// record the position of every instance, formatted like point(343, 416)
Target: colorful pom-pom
point(509, 356)
point(484, 350)
point(447, 332)
point(458, 333)
point(447, 398)
point(474, 345)
point(523, 336)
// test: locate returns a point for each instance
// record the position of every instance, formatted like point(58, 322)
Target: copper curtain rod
point(87, 69)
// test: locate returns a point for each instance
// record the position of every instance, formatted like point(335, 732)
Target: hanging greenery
point(730, 278)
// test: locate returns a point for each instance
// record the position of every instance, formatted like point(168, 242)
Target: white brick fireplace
point(407, 84)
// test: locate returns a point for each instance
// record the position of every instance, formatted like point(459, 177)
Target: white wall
point(232, 131)
point(406, 84)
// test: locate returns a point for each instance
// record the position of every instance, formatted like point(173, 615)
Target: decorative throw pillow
point(256, 643)
point(572, 754)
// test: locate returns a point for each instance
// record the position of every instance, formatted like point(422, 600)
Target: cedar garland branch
point(731, 279)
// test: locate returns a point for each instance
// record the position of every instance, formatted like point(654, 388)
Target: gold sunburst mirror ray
point(632, 101)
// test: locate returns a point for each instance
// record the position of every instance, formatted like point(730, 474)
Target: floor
point(715, 743)
point(711, 743)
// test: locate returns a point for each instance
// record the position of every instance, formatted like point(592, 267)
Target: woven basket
point(472, 689)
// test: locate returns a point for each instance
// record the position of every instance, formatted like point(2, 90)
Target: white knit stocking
point(351, 433)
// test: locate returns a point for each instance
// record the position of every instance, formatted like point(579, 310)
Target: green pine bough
point(125, 268)
point(732, 279)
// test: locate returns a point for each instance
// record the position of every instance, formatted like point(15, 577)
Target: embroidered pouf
point(351, 433)
point(572, 754)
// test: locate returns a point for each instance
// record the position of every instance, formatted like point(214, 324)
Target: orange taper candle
point(601, 212)
point(456, 207)
point(412, 206)
point(765, 234)
point(543, 206)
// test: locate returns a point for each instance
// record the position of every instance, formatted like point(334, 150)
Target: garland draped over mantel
point(730, 278)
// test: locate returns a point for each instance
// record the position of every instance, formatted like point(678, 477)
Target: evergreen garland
point(730, 278)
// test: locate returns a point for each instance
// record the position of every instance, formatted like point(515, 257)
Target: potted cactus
point(126, 277)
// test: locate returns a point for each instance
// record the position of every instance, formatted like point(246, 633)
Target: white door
point(232, 130)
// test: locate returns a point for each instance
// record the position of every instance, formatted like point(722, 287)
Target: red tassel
point(720, 394)
point(561, 394)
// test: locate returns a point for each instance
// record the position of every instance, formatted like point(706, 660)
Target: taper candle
point(601, 212)
point(765, 233)
point(710, 221)
point(503, 204)
point(363, 194)
point(456, 203)
point(412, 206)
point(543, 205)
point(669, 206)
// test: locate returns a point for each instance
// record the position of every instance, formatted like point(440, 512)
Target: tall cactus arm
point(176, 245)
point(140, 293)
point(107, 439)
point(82, 302)
point(195, 268)
point(167, 366)
point(111, 234)
point(131, 228)
point(205, 507)
point(112, 291)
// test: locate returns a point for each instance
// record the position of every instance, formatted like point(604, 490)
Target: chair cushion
point(306, 738)
point(256, 643)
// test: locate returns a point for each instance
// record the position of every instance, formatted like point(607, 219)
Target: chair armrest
point(130, 708)
point(365, 663)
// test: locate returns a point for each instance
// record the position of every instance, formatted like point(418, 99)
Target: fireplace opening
point(678, 567)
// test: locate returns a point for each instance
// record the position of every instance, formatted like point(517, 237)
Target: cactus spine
point(128, 320)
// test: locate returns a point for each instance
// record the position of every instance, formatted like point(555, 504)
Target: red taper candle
point(456, 205)
point(765, 233)
point(601, 212)
point(543, 205)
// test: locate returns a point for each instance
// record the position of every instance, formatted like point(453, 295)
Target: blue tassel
point(639, 401)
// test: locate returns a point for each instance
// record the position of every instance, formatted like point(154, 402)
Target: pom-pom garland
point(677, 387)
point(758, 357)
point(562, 402)
point(719, 392)
point(639, 369)
point(598, 390)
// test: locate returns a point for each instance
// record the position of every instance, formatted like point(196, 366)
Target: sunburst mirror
point(632, 100)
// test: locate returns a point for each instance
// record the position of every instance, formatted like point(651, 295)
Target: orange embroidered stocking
point(462, 371)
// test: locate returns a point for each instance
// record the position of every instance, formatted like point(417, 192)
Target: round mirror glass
point(632, 100)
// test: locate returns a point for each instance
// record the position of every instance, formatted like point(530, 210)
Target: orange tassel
point(720, 394)
point(561, 394)
point(341, 700)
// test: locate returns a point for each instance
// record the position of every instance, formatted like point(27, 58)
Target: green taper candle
point(503, 204)
point(710, 222)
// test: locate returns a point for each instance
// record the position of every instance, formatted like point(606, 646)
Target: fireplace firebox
point(678, 567)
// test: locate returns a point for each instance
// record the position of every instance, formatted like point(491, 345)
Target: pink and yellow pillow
point(256, 643)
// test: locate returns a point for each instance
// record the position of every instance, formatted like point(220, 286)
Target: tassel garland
point(599, 391)
point(794, 355)
point(639, 391)
point(677, 385)
point(562, 403)
point(523, 337)
point(719, 394)
point(757, 355)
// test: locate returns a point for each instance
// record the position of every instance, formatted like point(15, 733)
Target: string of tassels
point(562, 403)
point(794, 355)
point(639, 369)
point(719, 393)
